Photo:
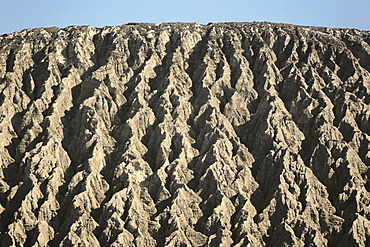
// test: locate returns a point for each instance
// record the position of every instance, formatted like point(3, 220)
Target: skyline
point(18, 15)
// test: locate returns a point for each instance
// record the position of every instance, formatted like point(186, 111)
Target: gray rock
point(179, 134)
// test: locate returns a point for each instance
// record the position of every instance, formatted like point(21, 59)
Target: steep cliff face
point(239, 134)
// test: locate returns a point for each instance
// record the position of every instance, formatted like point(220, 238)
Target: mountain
point(179, 134)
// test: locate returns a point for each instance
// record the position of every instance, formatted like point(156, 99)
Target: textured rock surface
point(245, 134)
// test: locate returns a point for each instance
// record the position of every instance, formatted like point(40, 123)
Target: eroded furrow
point(185, 135)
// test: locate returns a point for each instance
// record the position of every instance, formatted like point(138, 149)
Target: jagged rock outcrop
point(238, 134)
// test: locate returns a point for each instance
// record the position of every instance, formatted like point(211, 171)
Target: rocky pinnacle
point(234, 134)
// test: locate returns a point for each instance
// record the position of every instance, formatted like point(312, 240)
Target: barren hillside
point(238, 134)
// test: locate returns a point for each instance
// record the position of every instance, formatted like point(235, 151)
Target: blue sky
point(16, 15)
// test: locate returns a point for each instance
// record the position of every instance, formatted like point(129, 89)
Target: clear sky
point(16, 15)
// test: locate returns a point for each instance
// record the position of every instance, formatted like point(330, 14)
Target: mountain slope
point(238, 134)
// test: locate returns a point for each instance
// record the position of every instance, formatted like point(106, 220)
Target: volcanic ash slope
point(239, 134)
